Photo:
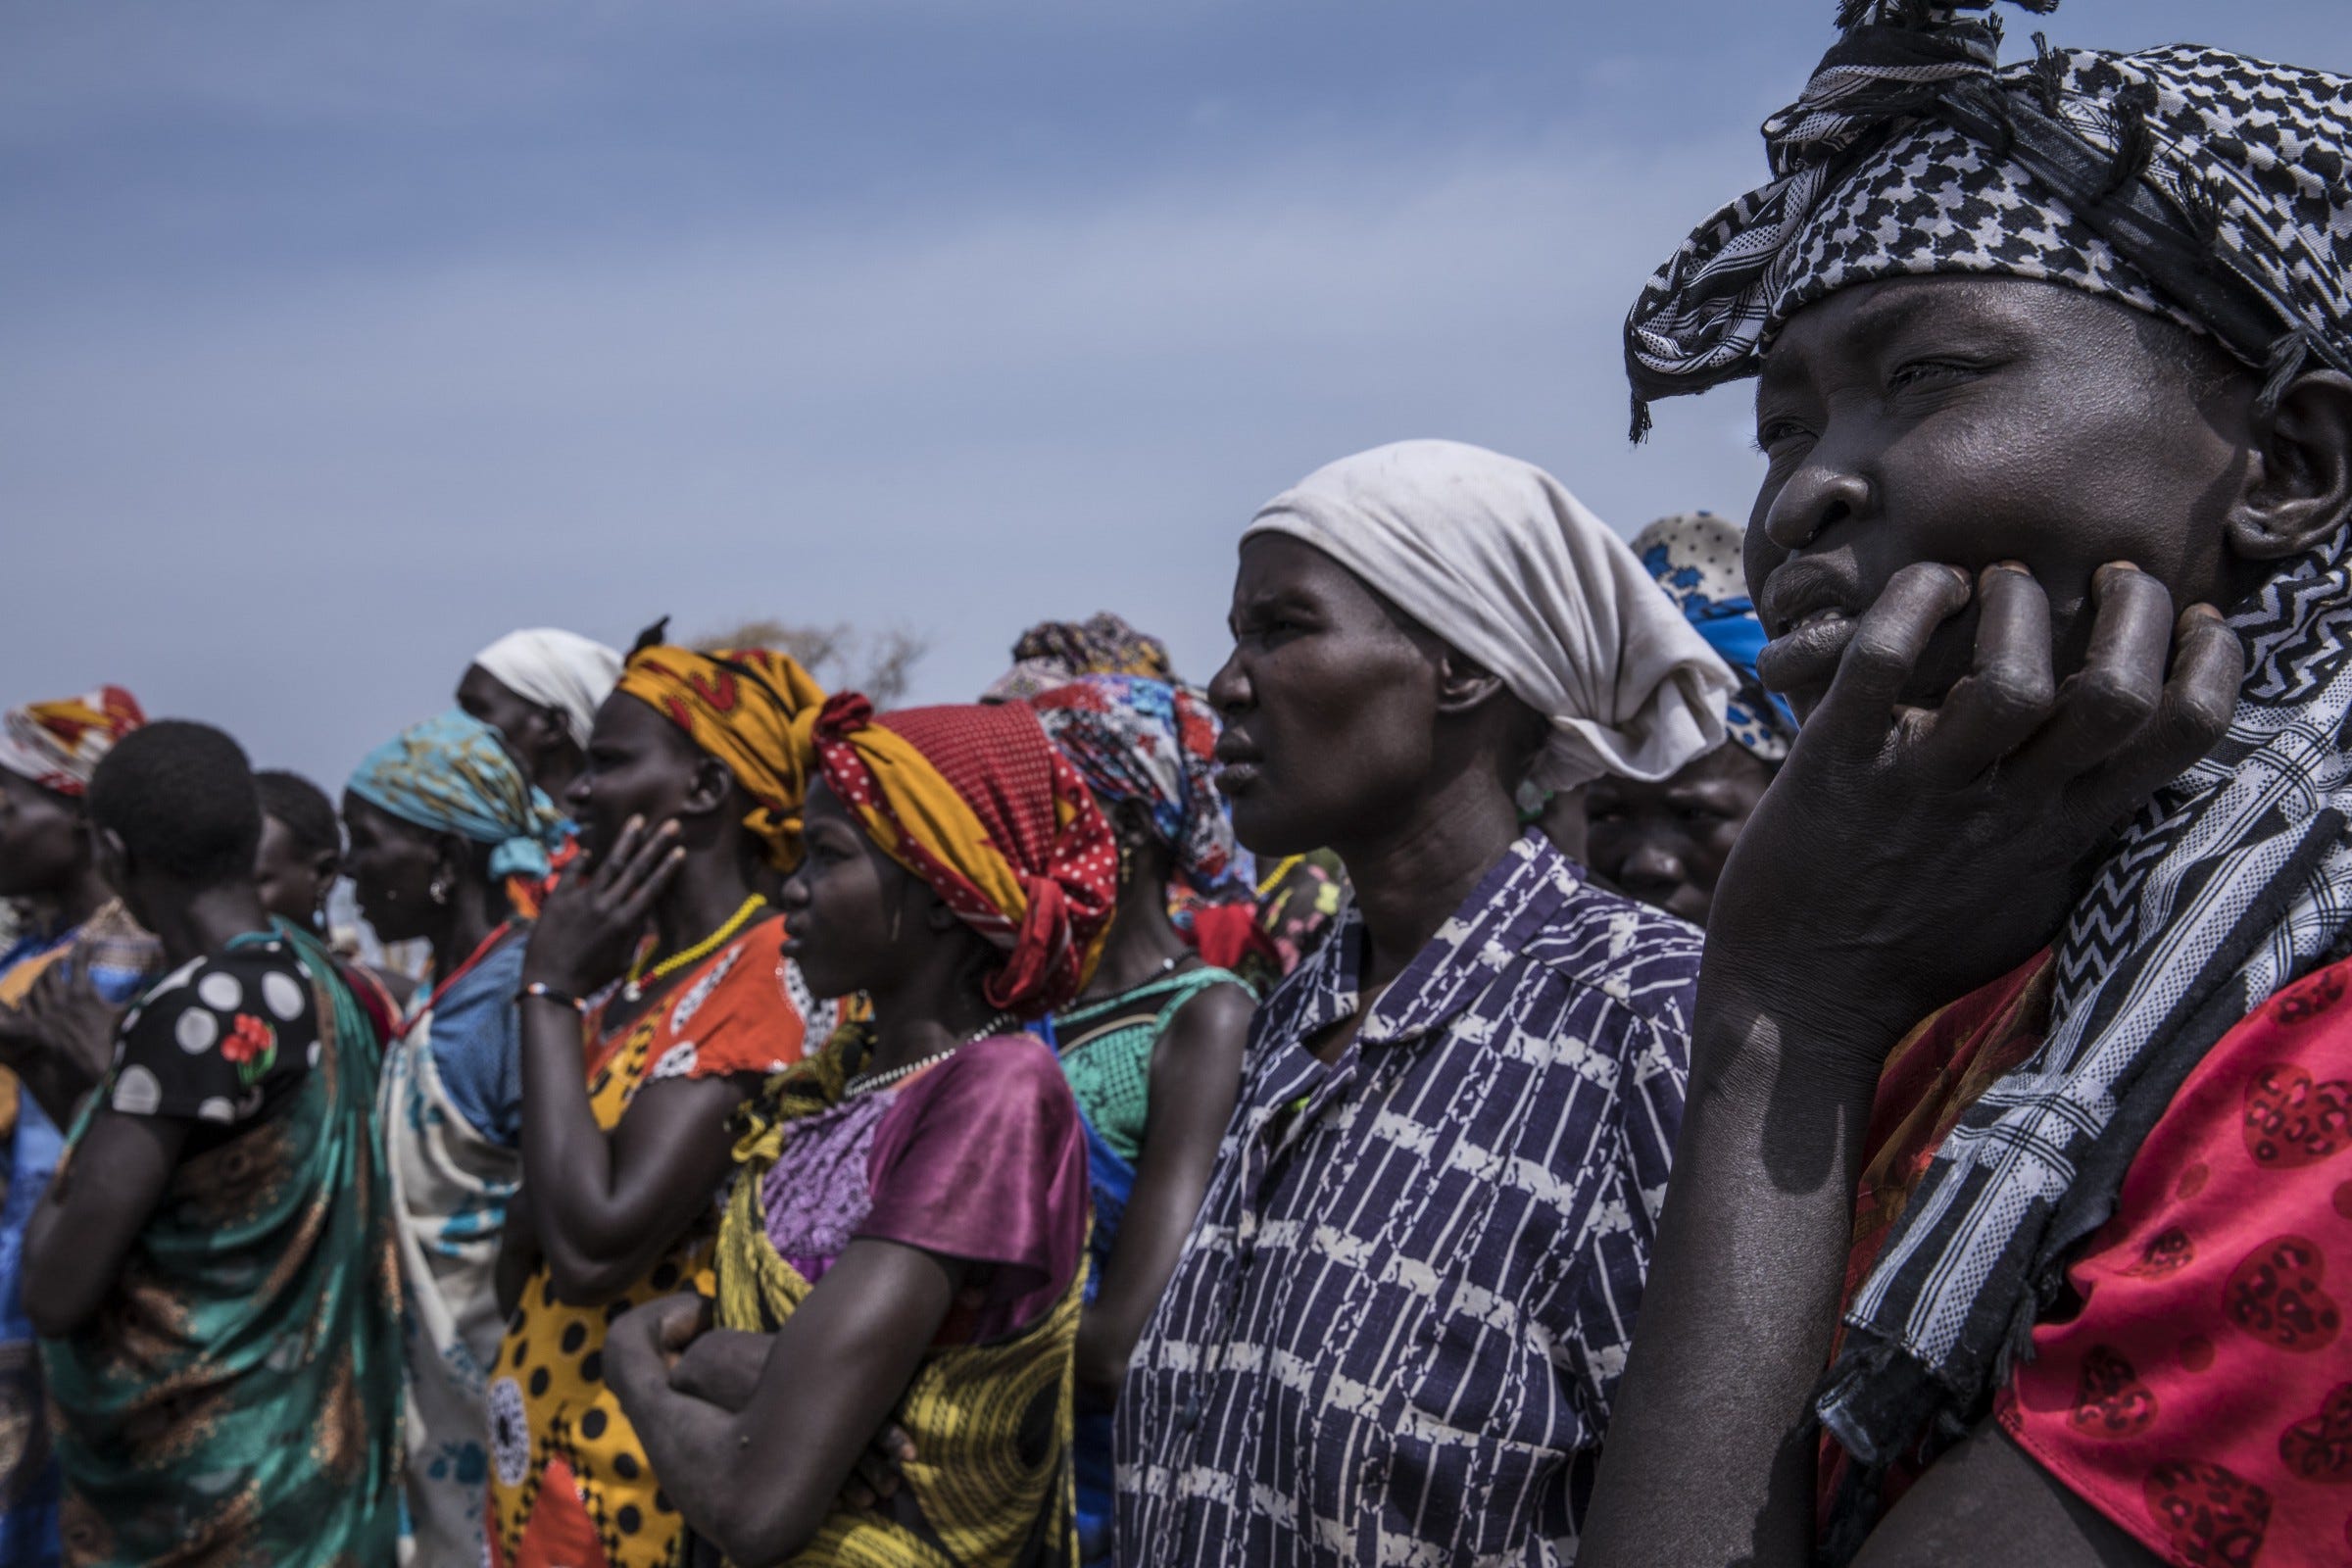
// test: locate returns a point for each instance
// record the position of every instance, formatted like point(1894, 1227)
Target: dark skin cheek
point(41, 839)
point(2086, 449)
point(638, 764)
point(497, 705)
point(391, 869)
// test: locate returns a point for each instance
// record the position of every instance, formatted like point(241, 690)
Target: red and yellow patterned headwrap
point(740, 706)
point(58, 745)
point(978, 802)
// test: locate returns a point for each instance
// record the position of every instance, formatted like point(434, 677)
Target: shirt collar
point(1519, 896)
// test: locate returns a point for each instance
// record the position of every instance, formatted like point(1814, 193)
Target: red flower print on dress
point(2320, 1449)
point(2275, 1295)
point(252, 1044)
point(2292, 1120)
point(2110, 1400)
point(2209, 1515)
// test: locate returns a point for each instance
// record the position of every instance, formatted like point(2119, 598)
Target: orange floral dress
point(569, 1483)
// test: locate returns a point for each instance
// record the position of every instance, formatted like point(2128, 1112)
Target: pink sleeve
point(984, 1158)
point(2201, 1397)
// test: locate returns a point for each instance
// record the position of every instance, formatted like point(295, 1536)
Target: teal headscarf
point(452, 775)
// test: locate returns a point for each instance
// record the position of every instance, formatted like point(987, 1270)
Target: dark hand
point(592, 922)
point(1903, 856)
point(677, 1322)
point(63, 1027)
point(880, 1469)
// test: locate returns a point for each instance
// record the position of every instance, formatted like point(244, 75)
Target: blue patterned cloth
point(1696, 559)
point(477, 1041)
point(1395, 1332)
point(29, 1494)
point(451, 774)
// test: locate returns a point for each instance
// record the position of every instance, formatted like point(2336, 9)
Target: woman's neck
point(200, 922)
point(469, 922)
point(707, 892)
point(82, 895)
point(1144, 943)
point(927, 1014)
point(1407, 883)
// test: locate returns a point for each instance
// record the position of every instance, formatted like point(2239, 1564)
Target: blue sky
point(336, 339)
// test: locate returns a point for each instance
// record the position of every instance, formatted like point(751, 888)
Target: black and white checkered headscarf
point(2209, 189)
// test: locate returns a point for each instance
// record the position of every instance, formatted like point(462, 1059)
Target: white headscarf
point(559, 670)
point(1497, 557)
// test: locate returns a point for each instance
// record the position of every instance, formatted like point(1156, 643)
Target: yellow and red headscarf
point(739, 704)
point(58, 745)
point(978, 802)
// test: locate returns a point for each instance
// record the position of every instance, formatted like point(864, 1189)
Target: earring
point(1126, 860)
point(439, 891)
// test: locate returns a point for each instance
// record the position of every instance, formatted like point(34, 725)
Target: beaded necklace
point(640, 977)
point(865, 1083)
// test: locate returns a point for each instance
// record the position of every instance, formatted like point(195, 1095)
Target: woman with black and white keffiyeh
point(2013, 1202)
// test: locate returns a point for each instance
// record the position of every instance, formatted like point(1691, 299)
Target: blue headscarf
point(1696, 558)
point(452, 775)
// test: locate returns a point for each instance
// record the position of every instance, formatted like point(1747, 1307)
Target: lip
point(1798, 590)
point(1237, 763)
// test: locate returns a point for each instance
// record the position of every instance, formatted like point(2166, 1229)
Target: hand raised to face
point(593, 920)
point(1904, 856)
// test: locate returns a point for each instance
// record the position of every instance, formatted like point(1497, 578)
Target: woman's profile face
point(638, 764)
point(1329, 706)
point(42, 844)
point(850, 911)
point(293, 885)
point(392, 865)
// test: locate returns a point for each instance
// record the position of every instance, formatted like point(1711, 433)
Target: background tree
point(879, 663)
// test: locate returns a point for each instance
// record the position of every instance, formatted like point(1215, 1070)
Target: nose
point(575, 794)
point(794, 893)
point(1229, 688)
point(1653, 865)
point(1817, 497)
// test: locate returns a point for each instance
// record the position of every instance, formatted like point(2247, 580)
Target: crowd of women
point(1296, 1120)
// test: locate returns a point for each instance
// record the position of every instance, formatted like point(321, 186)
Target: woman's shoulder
point(264, 976)
point(1000, 1073)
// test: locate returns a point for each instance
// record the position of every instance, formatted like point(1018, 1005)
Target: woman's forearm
point(566, 1158)
point(1710, 1452)
point(702, 1454)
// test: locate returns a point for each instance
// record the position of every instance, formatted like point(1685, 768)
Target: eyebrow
point(1875, 320)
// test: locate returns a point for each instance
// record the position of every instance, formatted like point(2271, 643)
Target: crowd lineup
point(1474, 1083)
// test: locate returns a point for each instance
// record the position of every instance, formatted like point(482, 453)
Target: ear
point(1463, 684)
point(1131, 824)
point(937, 916)
point(2299, 481)
point(713, 782)
point(453, 856)
point(110, 857)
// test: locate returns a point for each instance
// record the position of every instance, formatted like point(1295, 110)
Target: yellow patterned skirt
point(992, 1423)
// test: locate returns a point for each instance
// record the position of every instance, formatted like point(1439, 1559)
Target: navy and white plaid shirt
point(1394, 1333)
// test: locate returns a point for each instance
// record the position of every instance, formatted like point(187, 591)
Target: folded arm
point(759, 1482)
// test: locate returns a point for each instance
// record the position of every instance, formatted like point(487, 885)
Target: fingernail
point(634, 821)
point(670, 827)
point(2206, 613)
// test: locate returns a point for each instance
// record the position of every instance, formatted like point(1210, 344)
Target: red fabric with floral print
point(2201, 1397)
